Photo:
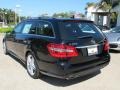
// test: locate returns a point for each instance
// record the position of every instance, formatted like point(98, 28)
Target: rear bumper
point(77, 73)
point(70, 72)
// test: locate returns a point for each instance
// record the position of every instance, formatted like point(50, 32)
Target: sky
point(38, 7)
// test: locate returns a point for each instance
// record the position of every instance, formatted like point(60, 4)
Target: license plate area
point(93, 50)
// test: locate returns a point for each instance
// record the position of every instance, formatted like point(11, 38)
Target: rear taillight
point(62, 50)
point(106, 46)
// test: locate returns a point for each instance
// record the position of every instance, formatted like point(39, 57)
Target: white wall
point(105, 20)
point(94, 17)
point(89, 15)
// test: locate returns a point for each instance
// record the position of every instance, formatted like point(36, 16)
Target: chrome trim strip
point(88, 46)
point(41, 36)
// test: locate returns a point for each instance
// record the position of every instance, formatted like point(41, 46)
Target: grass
point(6, 30)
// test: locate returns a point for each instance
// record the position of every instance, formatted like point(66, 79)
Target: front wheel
point(32, 67)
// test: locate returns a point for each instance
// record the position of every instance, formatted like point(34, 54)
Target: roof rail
point(46, 17)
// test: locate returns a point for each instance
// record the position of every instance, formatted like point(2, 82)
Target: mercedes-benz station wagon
point(62, 48)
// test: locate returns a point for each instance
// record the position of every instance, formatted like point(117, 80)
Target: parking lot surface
point(13, 76)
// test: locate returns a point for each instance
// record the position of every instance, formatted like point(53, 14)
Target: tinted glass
point(45, 28)
point(18, 28)
point(73, 30)
point(29, 27)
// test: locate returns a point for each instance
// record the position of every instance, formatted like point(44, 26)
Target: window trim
point(40, 35)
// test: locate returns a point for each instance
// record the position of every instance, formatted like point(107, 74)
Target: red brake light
point(61, 50)
point(106, 46)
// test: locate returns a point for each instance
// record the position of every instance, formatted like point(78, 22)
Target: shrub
point(6, 30)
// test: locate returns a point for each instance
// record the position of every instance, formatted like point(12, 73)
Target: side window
point(45, 29)
point(18, 28)
point(29, 28)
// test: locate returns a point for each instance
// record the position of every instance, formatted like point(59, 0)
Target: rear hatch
point(85, 37)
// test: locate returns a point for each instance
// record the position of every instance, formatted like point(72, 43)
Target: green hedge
point(6, 30)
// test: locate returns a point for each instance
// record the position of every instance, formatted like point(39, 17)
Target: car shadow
point(17, 60)
point(114, 51)
point(60, 82)
point(65, 83)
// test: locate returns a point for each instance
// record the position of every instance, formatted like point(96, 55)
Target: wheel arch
point(30, 51)
point(27, 52)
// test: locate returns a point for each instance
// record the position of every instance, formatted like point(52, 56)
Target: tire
point(5, 48)
point(32, 67)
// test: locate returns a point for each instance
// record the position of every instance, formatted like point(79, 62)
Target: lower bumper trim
point(77, 73)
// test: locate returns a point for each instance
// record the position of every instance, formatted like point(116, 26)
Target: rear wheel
point(5, 48)
point(32, 67)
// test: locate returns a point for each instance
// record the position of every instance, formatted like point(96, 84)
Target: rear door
point(45, 35)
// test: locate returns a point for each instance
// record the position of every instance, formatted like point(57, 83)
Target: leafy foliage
point(6, 30)
point(89, 4)
point(8, 16)
point(66, 14)
point(105, 6)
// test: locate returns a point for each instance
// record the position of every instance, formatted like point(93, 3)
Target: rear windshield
point(72, 30)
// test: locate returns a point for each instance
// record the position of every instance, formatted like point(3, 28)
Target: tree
point(64, 14)
point(105, 6)
point(89, 4)
point(8, 16)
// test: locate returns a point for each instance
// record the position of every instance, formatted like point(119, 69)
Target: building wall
point(105, 21)
point(89, 14)
point(93, 15)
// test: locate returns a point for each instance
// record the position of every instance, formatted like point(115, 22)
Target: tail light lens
point(106, 46)
point(62, 50)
